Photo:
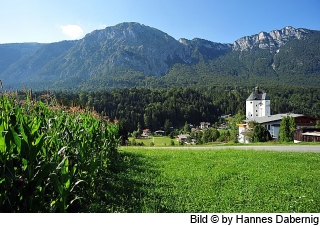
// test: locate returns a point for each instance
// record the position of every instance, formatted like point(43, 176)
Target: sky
point(224, 21)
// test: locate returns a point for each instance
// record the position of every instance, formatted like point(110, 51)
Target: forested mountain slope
point(135, 55)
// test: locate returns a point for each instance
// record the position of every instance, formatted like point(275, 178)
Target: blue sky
point(222, 21)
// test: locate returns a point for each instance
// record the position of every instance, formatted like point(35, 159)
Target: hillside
point(135, 55)
point(11, 53)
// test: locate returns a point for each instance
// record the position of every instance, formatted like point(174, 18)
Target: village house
point(146, 133)
point(258, 110)
point(183, 138)
point(204, 125)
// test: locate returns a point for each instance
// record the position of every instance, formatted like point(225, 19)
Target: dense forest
point(151, 108)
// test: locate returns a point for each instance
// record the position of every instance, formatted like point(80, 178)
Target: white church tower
point(257, 105)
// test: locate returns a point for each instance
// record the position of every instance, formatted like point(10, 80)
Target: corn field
point(52, 159)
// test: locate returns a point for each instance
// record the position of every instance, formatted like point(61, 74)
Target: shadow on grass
point(130, 187)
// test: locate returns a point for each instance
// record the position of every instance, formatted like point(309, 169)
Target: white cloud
point(73, 31)
point(102, 26)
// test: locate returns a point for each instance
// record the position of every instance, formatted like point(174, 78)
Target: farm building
point(306, 135)
point(159, 132)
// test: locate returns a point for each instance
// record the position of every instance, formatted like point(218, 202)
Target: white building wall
point(265, 108)
point(250, 109)
point(257, 108)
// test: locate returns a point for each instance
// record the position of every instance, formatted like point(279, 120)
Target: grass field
point(154, 180)
point(161, 141)
point(157, 140)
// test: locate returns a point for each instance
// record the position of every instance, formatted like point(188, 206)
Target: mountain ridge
point(133, 54)
point(276, 37)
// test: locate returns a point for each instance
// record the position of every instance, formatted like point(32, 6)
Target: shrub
point(172, 143)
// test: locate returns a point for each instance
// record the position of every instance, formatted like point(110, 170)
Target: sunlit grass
point(220, 181)
point(158, 141)
point(162, 141)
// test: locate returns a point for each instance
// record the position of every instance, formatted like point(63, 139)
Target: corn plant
point(51, 159)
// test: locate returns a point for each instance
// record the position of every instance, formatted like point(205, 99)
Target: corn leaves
point(51, 159)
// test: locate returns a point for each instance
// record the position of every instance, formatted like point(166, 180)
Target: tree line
point(153, 108)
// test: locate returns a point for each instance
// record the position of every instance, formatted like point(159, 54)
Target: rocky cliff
point(272, 40)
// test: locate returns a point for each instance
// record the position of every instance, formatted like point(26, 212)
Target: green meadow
point(160, 180)
point(157, 141)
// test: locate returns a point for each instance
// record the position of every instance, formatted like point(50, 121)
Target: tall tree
point(232, 124)
point(186, 128)
point(287, 126)
point(123, 132)
point(205, 136)
point(166, 127)
point(147, 120)
point(139, 130)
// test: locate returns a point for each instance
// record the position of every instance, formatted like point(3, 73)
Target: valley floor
point(210, 179)
point(287, 148)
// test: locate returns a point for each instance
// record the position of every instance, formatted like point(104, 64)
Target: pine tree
point(139, 130)
point(186, 128)
point(166, 126)
point(123, 132)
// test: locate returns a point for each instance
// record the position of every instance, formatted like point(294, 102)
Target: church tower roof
point(258, 95)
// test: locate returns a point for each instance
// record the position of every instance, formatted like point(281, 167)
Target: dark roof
point(258, 95)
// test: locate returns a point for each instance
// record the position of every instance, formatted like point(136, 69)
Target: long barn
point(306, 135)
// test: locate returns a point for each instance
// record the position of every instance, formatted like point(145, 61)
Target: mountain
point(272, 41)
point(11, 53)
point(23, 70)
point(132, 54)
point(287, 57)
